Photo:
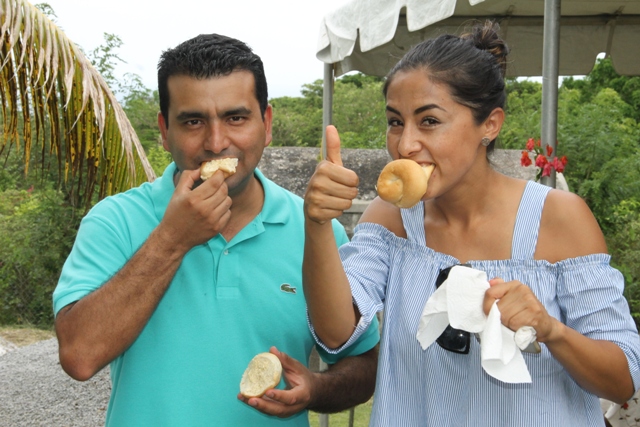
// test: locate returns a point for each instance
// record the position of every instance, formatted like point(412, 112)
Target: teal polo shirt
point(227, 302)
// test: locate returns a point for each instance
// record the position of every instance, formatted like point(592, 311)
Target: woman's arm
point(568, 230)
point(326, 288)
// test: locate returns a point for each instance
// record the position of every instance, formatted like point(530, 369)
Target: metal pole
point(550, 64)
point(327, 105)
point(327, 119)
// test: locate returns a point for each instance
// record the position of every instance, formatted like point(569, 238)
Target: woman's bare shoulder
point(568, 228)
point(384, 214)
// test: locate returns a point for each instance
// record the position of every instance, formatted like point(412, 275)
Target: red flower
point(549, 150)
point(530, 144)
point(525, 160)
point(557, 165)
point(625, 405)
point(541, 160)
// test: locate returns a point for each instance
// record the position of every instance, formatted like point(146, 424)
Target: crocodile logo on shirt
point(285, 287)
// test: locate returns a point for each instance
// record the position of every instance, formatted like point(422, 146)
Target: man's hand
point(347, 383)
point(195, 215)
point(297, 396)
point(332, 187)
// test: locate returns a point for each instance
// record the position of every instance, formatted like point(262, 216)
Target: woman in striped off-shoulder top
point(542, 249)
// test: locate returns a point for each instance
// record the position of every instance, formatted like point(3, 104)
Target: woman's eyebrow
point(418, 110)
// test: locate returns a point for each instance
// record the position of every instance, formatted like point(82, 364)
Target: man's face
point(214, 118)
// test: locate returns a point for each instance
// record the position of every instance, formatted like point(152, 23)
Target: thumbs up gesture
point(332, 187)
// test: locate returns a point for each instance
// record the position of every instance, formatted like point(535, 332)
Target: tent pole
point(327, 105)
point(327, 119)
point(550, 65)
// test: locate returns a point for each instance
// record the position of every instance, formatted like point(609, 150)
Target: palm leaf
point(52, 98)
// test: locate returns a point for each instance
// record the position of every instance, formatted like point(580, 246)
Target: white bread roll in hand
point(262, 374)
point(403, 182)
point(227, 166)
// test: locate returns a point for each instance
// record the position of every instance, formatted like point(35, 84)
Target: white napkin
point(458, 302)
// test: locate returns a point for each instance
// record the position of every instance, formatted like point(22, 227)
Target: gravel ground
point(35, 391)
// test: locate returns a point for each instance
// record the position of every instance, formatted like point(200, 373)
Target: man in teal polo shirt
point(178, 283)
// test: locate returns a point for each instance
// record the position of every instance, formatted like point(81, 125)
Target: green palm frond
point(52, 99)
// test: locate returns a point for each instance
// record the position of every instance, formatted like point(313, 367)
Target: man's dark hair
point(210, 55)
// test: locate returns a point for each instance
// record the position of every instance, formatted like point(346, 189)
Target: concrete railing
point(291, 167)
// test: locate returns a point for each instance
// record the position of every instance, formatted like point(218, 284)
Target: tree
point(604, 76)
point(358, 113)
point(54, 101)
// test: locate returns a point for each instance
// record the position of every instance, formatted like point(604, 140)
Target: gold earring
point(485, 141)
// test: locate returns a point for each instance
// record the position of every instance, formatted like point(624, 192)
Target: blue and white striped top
point(435, 387)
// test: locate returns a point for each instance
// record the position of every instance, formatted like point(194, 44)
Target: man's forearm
point(99, 327)
point(345, 384)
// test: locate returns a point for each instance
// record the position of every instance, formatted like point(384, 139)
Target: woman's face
point(425, 124)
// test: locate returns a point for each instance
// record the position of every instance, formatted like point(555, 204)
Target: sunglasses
point(455, 340)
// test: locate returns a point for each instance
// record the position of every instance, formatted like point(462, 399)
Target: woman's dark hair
point(472, 65)
point(210, 55)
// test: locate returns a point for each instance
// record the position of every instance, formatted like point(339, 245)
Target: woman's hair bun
point(486, 37)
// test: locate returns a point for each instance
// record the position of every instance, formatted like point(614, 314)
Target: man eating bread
point(178, 284)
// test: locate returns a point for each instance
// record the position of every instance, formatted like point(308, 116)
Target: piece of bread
point(227, 166)
point(262, 374)
point(403, 182)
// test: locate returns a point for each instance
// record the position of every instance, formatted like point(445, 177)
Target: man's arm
point(349, 382)
point(98, 328)
point(345, 384)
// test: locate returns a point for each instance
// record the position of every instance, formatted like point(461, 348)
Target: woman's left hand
point(519, 307)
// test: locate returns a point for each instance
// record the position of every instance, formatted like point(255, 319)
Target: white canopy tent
point(547, 38)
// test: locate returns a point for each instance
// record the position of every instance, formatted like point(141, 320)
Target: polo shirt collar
point(162, 189)
point(274, 201)
point(274, 196)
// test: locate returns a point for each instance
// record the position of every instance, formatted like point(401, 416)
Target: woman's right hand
point(332, 187)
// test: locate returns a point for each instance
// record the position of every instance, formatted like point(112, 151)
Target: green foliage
point(297, 122)
point(602, 145)
point(36, 233)
point(603, 76)
point(360, 417)
point(141, 105)
point(358, 113)
point(522, 119)
point(624, 246)
point(105, 58)
point(159, 159)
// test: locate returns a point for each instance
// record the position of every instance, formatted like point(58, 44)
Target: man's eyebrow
point(240, 111)
point(187, 115)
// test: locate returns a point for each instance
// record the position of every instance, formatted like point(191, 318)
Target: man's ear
point(268, 122)
point(493, 123)
point(162, 125)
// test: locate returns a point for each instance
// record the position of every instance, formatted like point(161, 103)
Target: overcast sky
point(283, 32)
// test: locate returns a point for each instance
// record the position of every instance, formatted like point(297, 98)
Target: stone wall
point(291, 167)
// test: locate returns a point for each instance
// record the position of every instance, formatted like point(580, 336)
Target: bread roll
point(227, 166)
point(262, 374)
point(403, 182)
